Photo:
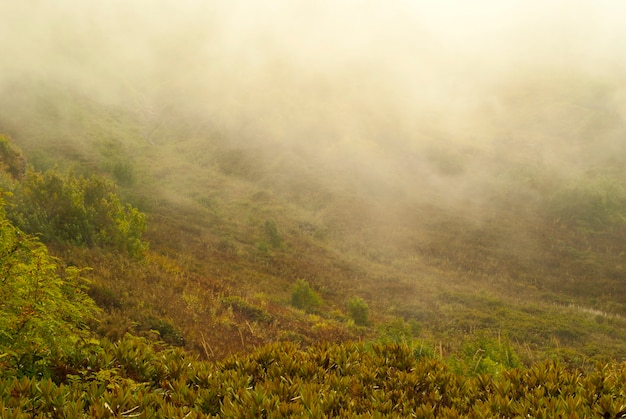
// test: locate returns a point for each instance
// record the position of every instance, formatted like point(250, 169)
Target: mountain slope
point(451, 238)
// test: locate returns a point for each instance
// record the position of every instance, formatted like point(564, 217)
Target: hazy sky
point(307, 69)
point(311, 36)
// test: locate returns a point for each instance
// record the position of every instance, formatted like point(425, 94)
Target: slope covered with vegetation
point(450, 243)
point(463, 286)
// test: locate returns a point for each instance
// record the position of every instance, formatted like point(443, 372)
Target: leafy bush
point(359, 311)
point(304, 297)
point(485, 355)
point(167, 332)
point(78, 210)
point(43, 308)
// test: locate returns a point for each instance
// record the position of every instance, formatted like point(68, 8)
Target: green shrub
point(359, 311)
point(167, 332)
point(304, 297)
point(485, 355)
point(273, 235)
point(43, 309)
point(77, 210)
point(248, 310)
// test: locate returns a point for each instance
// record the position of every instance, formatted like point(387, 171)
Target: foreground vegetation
point(130, 379)
point(162, 277)
point(52, 366)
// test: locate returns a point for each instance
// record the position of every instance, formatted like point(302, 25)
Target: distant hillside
point(441, 241)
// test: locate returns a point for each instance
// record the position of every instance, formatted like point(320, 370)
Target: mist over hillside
point(410, 152)
point(337, 80)
point(400, 98)
point(230, 208)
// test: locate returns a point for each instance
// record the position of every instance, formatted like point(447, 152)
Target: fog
point(365, 86)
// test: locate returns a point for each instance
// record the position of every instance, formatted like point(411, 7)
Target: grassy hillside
point(351, 209)
point(442, 239)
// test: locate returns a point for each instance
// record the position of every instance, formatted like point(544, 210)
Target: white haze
point(370, 81)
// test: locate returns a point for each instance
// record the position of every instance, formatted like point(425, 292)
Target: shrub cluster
point(64, 207)
point(359, 311)
point(304, 297)
point(68, 208)
point(129, 378)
